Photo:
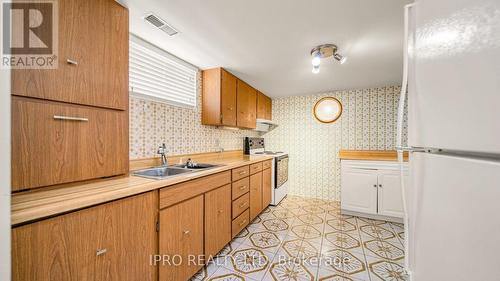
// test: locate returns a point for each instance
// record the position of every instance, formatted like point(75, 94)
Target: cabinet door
point(246, 105)
point(181, 238)
point(48, 147)
point(390, 202)
point(359, 190)
point(217, 219)
point(228, 99)
point(266, 188)
point(113, 241)
point(93, 34)
point(255, 195)
point(269, 108)
point(263, 106)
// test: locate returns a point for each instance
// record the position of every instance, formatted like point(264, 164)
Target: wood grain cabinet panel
point(246, 105)
point(94, 35)
point(181, 235)
point(97, 243)
point(255, 168)
point(255, 195)
point(48, 149)
point(266, 188)
point(264, 106)
point(219, 98)
point(217, 219)
point(240, 187)
point(240, 172)
point(240, 222)
point(240, 205)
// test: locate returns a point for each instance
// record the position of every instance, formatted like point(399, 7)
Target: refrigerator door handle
point(399, 138)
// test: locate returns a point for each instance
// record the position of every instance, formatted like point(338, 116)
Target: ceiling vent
point(161, 24)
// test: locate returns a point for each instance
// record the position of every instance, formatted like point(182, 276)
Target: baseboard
point(371, 216)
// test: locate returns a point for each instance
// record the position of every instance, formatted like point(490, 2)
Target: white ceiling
point(267, 42)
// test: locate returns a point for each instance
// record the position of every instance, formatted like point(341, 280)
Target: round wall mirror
point(327, 110)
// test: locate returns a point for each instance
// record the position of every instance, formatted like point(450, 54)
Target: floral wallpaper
point(153, 123)
point(368, 122)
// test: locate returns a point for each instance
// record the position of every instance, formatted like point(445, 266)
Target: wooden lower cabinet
point(181, 239)
point(113, 241)
point(266, 188)
point(217, 219)
point(255, 195)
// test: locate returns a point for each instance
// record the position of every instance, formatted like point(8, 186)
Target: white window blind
point(157, 75)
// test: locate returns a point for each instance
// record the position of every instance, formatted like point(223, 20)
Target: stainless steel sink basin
point(197, 166)
point(161, 172)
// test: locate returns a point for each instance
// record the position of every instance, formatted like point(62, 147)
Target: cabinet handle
point(70, 118)
point(243, 187)
point(73, 62)
point(186, 232)
point(379, 185)
point(243, 222)
point(220, 211)
point(243, 204)
point(243, 172)
point(230, 108)
point(101, 252)
point(374, 185)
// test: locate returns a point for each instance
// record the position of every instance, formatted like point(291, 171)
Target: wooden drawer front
point(241, 172)
point(241, 187)
point(241, 222)
point(240, 205)
point(267, 164)
point(182, 191)
point(55, 143)
point(255, 168)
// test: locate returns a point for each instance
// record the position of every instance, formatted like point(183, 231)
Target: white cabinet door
point(359, 190)
point(390, 202)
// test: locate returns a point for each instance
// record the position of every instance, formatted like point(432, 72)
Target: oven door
point(281, 170)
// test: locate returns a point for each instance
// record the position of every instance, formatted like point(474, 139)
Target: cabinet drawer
point(54, 143)
point(255, 168)
point(240, 205)
point(174, 194)
point(240, 187)
point(240, 172)
point(241, 222)
point(267, 164)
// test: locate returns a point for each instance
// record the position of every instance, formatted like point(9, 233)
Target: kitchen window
point(155, 74)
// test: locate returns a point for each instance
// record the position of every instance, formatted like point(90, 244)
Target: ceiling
point(267, 43)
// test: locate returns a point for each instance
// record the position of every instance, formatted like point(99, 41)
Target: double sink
point(164, 172)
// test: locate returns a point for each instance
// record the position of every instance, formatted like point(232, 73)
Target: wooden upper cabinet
point(92, 58)
point(228, 101)
point(219, 98)
point(113, 241)
point(54, 143)
point(181, 235)
point(264, 107)
point(217, 219)
point(246, 105)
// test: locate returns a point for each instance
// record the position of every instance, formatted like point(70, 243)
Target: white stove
point(279, 172)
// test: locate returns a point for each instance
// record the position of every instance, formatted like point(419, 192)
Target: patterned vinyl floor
point(305, 239)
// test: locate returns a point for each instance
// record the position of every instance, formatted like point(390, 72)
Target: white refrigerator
point(452, 68)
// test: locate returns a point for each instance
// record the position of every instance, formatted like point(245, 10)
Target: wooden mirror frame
point(328, 121)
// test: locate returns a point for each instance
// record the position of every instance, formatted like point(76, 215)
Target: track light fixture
point(325, 51)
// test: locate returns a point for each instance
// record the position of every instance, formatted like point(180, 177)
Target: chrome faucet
point(162, 150)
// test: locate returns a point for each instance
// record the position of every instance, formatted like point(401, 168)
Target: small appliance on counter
point(279, 172)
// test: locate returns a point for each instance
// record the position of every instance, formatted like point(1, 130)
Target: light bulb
point(315, 69)
point(316, 60)
point(341, 59)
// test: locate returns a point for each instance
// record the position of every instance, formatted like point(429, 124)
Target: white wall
point(4, 174)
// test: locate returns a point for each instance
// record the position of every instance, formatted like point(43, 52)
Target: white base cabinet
point(372, 188)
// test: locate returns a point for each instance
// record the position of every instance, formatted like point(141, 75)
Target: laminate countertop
point(373, 155)
point(38, 204)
